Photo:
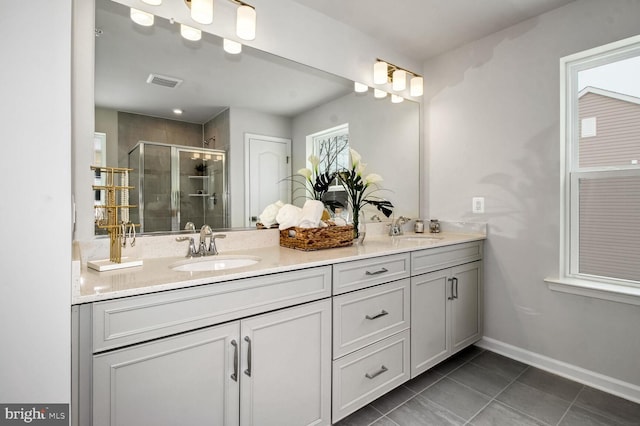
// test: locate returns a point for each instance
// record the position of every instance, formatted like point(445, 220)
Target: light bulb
point(190, 33)
point(377, 93)
point(231, 46)
point(246, 22)
point(380, 72)
point(141, 18)
point(202, 11)
point(417, 85)
point(359, 87)
point(396, 99)
point(399, 80)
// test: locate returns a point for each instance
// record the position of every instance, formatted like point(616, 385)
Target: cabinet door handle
point(455, 281)
point(378, 272)
point(451, 281)
point(234, 376)
point(377, 373)
point(248, 370)
point(378, 315)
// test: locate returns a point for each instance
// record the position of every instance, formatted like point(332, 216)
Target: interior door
point(267, 172)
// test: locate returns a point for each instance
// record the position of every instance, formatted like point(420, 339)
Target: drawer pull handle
point(377, 373)
point(247, 371)
point(378, 315)
point(378, 272)
point(234, 376)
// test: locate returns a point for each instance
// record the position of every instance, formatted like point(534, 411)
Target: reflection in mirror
point(224, 98)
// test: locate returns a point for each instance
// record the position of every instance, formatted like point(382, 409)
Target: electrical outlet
point(477, 205)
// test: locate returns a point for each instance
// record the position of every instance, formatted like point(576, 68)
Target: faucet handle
point(192, 245)
point(212, 244)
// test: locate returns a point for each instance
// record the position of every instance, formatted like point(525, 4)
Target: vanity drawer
point(359, 274)
point(366, 316)
point(136, 319)
point(434, 259)
point(369, 373)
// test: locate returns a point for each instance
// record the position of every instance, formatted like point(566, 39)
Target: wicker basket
point(316, 238)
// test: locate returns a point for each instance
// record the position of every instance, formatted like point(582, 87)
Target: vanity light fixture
point(417, 86)
point(386, 72)
point(232, 47)
point(380, 71)
point(141, 18)
point(245, 21)
point(396, 99)
point(190, 33)
point(399, 80)
point(379, 94)
point(360, 87)
point(153, 2)
point(201, 11)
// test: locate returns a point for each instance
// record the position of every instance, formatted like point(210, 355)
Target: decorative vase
point(359, 226)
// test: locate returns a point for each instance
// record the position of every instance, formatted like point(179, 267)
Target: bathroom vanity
point(299, 338)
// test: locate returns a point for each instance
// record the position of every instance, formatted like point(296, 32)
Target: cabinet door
point(180, 380)
point(429, 326)
point(466, 305)
point(286, 367)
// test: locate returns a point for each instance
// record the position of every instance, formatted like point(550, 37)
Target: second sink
point(214, 263)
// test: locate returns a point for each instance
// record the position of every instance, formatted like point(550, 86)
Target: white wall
point(493, 131)
point(36, 180)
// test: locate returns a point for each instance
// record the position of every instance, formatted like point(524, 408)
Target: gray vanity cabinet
point(446, 304)
point(247, 372)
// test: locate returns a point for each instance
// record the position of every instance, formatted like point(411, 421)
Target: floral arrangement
point(360, 189)
point(318, 183)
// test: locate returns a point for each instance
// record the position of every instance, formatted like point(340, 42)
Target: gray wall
point(35, 170)
point(493, 131)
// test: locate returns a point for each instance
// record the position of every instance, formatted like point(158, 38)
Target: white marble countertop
point(156, 275)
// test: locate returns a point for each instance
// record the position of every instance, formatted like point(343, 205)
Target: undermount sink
point(214, 263)
point(419, 238)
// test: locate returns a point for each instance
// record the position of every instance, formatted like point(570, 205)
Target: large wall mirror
point(198, 162)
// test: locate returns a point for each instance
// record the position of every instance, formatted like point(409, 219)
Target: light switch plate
point(477, 205)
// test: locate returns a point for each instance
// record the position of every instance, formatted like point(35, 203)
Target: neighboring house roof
point(609, 93)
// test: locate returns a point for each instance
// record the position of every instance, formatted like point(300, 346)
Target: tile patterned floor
point(481, 388)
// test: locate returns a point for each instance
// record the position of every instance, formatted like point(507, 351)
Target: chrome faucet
point(191, 251)
point(204, 232)
point(396, 226)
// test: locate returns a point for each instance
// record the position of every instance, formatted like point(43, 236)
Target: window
point(600, 243)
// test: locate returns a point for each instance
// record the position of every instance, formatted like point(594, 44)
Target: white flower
point(355, 157)
point(360, 168)
point(305, 172)
point(314, 160)
point(372, 178)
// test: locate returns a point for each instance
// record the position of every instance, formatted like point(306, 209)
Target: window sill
point(595, 289)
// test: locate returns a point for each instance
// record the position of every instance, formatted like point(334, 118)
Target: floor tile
point(550, 383)
point(423, 381)
point(460, 400)
point(363, 417)
point(420, 411)
point(611, 406)
point(384, 421)
point(391, 400)
point(448, 365)
point(469, 352)
point(496, 414)
point(577, 416)
point(480, 379)
point(533, 402)
point(502, 365)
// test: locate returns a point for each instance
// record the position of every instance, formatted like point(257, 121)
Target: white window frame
point(570, 280)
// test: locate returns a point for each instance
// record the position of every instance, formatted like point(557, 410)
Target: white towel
point(268, 215)
point(311, 214)
point(288, 216)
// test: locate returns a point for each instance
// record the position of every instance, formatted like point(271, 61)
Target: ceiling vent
point(163, 80)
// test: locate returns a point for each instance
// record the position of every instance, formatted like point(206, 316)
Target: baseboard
point(590, 378)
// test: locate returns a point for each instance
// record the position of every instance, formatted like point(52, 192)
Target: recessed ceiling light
point(177, 111)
